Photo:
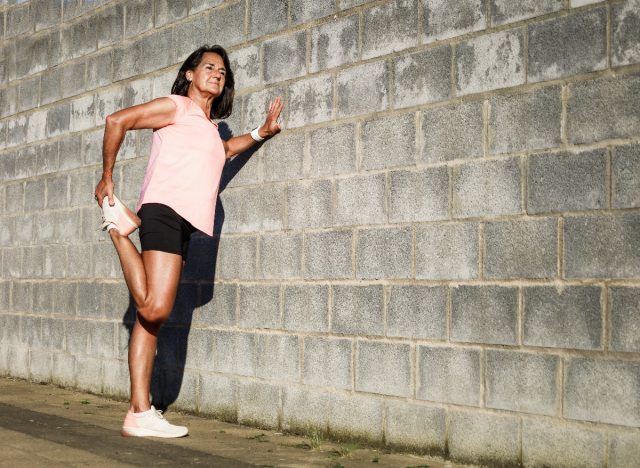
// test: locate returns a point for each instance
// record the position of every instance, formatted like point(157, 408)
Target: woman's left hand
point(271, 125)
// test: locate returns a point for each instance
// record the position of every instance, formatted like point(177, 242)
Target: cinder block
point(42, 297)
point(256, 105)
point(32, 54)
point(362, 89)
point(24, 230)
point(110, 25)
point(217, 304)
point(115, 378)
point(17, 130)
point(76, 333)
point(452, 132)
point(92, 147)
point(73, 78)
point(50, 89)
point(40, 364)
point(65, 298)
point(102, 339)
point(333, 151)
point(306, 308)
point(490, 62)
point(525, 121)
point(29, 91)
point(171, 351)
point(12, 263)
point(14, 198)
point(602, 391)
point(281, 256)
point(602, 247)
point(32, 261)
point(283, 157)
point(389, 28)
point(107, 102)
point(625, 31)
point(70, 153)
point(521, 249)
point(105, 260)
point(137, 92)
point(522, 382)
point(57, 188)
point(255, 208)
point(571, 318)
point(18, 356)
point(484, 314)
point(9, 100)
point(89, 299)
point(78, 257)
point(310, 101)
point(303, 11)
point(487, 188)
point(417, 312)
point(423, 77)
point(504, 11)
point(45, 155)
point(447, 251)
point(170, 11)
point(63, 369)
point(624, 449)
point(267, 16)
point(309, 204)
point(59, 117)
point(328, 254)
point(304, 408)
point(358, 310)
point(259, 404)
point(34, 194)
point(235, 353)
point(448, 375)
point(443, 19)
point(419, 196)
point(589, 116)
point(20, 20)
point(37, 126)
point(217, 397)
point(334, 43)
point(384, 253)
point(360, 200)
point(82, 115)
point(625, 168)
point(236, 257)
point(278, 357)
point(416, 427)
point(548, 444)
point(389, 142)
point(88, 375)
point(625, 320)
point(327, 362)
point(568, 45)
point(199, 353)
point(144, 55)
point(285, 57)
point(79, 38)
point(55, 261)
point(383, 368)
point(259, 307)
point(138, 18)
point(355, 417)
point(245, 64)
point(31, 331)
point(487, 439)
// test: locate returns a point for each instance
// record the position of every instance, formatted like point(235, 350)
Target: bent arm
point(154, 114)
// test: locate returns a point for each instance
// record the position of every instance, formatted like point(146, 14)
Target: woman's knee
point(154, 313)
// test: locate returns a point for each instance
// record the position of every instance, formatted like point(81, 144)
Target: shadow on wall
point(195, 290)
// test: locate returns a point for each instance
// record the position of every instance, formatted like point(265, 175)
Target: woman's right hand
point(104, 189)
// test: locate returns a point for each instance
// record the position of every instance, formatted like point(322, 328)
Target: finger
point(110, 195)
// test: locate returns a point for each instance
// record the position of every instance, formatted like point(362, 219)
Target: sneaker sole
point(129, 216)
point(142, 432)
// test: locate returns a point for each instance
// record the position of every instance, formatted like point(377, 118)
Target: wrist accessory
point(107, 173)
point(255, 135)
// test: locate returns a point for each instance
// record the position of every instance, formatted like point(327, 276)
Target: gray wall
point(441, 250)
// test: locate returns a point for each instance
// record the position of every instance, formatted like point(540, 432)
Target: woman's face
point(209, 75)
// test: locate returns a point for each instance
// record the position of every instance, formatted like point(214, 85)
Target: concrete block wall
point(440, 251)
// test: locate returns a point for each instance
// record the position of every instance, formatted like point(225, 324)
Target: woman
point(177, 198)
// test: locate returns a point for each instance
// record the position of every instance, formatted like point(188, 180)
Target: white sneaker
point(150, 424)
point(118, 217)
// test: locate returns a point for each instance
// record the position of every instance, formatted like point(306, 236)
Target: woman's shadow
point(197, 288)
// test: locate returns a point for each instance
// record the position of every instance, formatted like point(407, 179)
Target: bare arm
point(271, 127)
point(154, 114)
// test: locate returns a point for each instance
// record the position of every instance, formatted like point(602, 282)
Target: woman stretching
point(178, 197)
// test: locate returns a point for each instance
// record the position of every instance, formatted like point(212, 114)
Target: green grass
point(261, 437)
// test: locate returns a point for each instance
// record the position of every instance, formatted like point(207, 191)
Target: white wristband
point(255, 135)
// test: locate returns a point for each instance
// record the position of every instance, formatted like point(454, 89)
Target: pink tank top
point(185, 165)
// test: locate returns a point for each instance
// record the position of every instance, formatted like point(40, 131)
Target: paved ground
point(46, 426)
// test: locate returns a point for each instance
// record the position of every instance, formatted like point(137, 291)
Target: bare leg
point(152, 278)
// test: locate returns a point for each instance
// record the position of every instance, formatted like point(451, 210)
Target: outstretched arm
point(154, 114)
point(271, 127)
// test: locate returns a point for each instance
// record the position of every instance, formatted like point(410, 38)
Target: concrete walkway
point(46, 426)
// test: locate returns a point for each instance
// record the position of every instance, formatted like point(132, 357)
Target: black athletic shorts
point(163, 229)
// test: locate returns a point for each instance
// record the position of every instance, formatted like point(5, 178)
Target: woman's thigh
point(163, 272)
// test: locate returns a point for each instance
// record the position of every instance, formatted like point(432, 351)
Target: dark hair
point(223, 104)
